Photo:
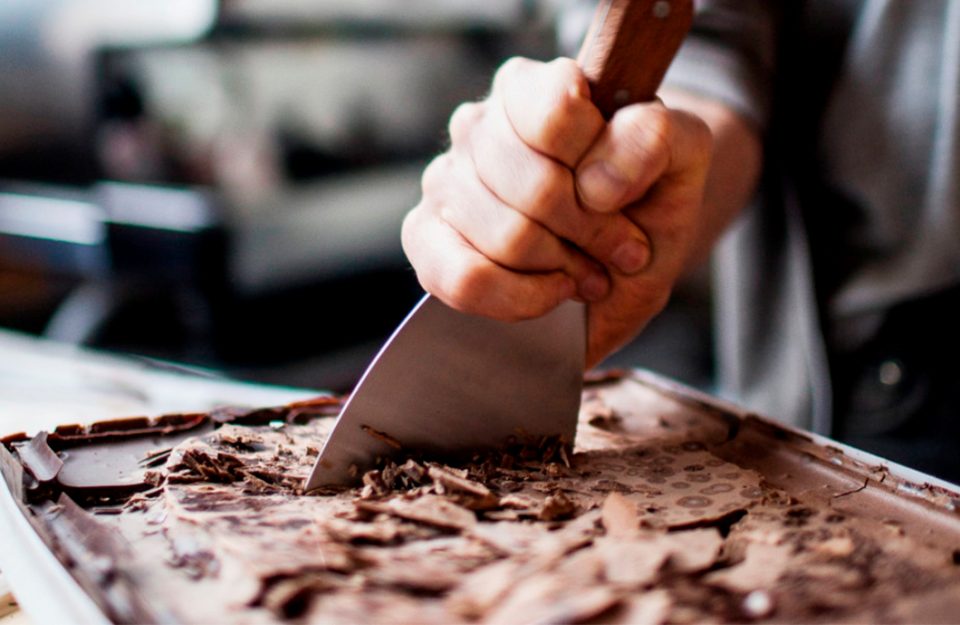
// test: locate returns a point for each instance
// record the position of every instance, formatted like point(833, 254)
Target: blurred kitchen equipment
point(237, 176)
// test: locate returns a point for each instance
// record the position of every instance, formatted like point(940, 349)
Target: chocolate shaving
point(620, 517)
point(39, 459)
point(427, 509)
point(155, 458)
point(12, 473)
point(456, 483)
point(556, 507)
point(383, 437)
point(603, 417)
point(290, 597)
point(761, 568)
point(549, 599)
point(650, 607)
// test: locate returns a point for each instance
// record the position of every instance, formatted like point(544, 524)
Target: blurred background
point(220, 184)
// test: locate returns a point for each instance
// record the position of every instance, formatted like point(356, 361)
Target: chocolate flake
point(449, 480)
point(39, 459)
point(620, 516)
point(760, 569)
point(383, 437)
point(428, 509)
point(156, 458)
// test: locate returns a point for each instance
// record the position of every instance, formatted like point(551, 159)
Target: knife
point(449, 382)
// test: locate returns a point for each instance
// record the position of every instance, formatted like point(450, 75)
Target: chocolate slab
point(671, 508)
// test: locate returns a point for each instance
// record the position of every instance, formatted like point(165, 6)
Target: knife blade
point(448, 381)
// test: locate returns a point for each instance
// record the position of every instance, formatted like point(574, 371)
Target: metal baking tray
point(50, 589)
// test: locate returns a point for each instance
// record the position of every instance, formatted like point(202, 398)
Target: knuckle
point(562, 112)
point(649, 132)
point(568, 76)
point(599, 232)
point(593, 232)
point(656, 130)
point(563, 66)
point(651, 297)
point(547, 190)
point(436, 175)
point(447, 213)
point(554, 125)
point(512, 68)
point(702, 139)
point(463, 121)
point(675, 231)
point(532, 310)
point(699, 129)
point(659, 299)
point(518, 238)
point(467, 282)
point(407, 228)
point(534, 305)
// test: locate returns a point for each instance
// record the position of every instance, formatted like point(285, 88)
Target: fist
point(539, 199)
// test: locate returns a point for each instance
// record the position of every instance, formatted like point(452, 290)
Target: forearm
point(734, 170)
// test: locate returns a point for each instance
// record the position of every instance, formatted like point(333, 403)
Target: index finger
point(549, 107)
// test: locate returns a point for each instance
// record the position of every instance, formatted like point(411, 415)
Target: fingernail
point(601, 185)
point(594, 287)
point(631, 256)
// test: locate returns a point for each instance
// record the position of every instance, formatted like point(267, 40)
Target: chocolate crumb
point(557, 507)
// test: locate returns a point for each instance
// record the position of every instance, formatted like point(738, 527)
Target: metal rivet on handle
point(661, 9)
point(890, 373)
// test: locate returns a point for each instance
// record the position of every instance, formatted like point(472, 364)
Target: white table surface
point(44, 384)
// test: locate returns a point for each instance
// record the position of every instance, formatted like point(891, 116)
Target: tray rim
point(33, 572)
point(918, 479)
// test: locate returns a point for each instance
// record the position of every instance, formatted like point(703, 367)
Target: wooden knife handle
point(629, 47)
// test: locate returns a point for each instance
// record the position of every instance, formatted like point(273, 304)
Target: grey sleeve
point(730, 55)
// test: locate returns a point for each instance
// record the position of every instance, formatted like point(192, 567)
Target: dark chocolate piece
point(42, 462)
point(17, 437)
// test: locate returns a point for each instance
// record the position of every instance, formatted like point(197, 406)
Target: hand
point(539, 200)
